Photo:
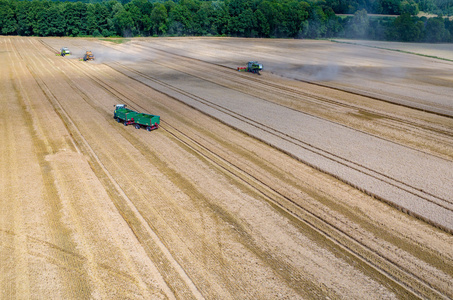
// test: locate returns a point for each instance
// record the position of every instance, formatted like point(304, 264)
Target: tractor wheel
point(125, 123)
point(148, 128)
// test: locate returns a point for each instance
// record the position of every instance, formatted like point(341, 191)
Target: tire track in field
point(60, 233)
point(14, 283)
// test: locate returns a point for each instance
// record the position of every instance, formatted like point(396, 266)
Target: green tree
point(333, 25)
point(246, 20)
point(409, 6)
point(262, 26)
point(390, 7)
point(98, 16)
point(316, 25)
point(295, 13)
point(137, 18)
point(75, 15)
point(270, 12)
point(205, 16)
point(449, 28)
point(426, 5)
point(122, 20)
point(183, 18)
point(24, 20)
point(92, 22)
point(159, 19)
point(142, 17)
point(220, 17)
point(435, 31)
point(49, 20)
point(55, 21)
point(8, 23)
point(406, 28)
point(359, 25)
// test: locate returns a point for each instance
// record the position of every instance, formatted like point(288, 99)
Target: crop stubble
point(192, 210)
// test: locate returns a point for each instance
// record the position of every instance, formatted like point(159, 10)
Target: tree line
point(237, 18)
point(392, 7)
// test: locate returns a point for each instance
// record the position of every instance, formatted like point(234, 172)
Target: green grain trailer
point(150, 122)
point(129, 117)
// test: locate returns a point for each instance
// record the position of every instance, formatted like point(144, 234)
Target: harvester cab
point(65, 51)
point(254, 67)
point(88, 56)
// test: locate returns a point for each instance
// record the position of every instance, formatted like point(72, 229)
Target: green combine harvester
point(127, 116)
point(252, 66)
point(65, 51)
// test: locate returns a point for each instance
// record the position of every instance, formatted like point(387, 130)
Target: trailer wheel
point(125, 123)
point(137, 126)
point(148, 128)
point(118, 120)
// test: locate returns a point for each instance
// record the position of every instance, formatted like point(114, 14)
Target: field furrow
point(253, 187)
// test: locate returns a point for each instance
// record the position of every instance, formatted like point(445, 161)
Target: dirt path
point(195, 209)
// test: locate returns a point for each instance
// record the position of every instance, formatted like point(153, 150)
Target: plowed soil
point(327, 176)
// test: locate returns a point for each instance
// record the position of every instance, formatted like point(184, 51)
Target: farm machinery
point(127, 116)
point(65, 51)
point(88, 56)
point(252, 66)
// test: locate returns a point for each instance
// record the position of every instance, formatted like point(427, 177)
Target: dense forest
point(238, 18)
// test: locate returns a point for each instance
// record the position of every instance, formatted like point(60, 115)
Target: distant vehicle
point(88, 56)
point(253, 67)
point(127, 116)
point(65, 51)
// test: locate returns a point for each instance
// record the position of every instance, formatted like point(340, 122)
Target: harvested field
point(441, 51)
point(327, 176)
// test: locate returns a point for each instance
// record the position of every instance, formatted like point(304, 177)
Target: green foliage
point(74, 14)
point(406, 29)
point(116, 40)
point(158, 19)
point(436, 31)
point(358, 25)
point(242, 18)
point(8, 22)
